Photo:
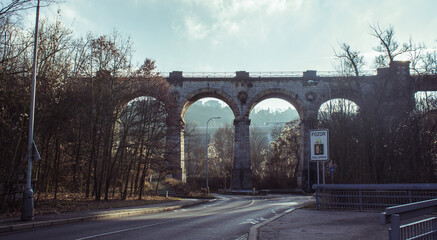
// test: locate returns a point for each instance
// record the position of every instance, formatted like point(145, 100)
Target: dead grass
point(187, 191)
point(76, 202)
point(69, 202)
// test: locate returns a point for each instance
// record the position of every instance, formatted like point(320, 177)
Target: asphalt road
point(228, 217)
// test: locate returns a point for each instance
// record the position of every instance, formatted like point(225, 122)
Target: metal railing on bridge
point(371, 196)
point(234, 74)
point(419, 229)
point(273, 74)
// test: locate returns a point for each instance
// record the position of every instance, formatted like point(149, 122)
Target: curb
point(254, 230)
point(119, 214)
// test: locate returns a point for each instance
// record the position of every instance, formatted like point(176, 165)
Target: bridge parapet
point(426, 83)
point(254, 75)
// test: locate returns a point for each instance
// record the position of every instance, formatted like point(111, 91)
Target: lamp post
point(329, 124)
point(28, 204)
point(207, 138)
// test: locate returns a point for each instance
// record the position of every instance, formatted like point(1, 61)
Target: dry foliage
point(71, 202)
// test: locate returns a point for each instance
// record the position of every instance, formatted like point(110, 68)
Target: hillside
point(199, 113)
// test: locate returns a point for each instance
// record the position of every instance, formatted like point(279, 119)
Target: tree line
point(93, 139)
point(364, 148)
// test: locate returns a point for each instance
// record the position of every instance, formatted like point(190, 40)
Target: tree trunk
point(77, 158)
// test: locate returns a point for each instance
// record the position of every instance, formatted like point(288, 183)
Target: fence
point(371, 196)
point(422, 229)
point(274, 74)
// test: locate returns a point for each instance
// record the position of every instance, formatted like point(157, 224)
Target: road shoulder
point(57, 219)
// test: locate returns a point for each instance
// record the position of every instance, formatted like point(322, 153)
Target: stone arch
point(305, 115)
point(288, 96)
point(351, 95)
point(425, 99)
point(208, 92)
point(183, 104)
point(130, 100)
point(319, 105)
point(330, 90)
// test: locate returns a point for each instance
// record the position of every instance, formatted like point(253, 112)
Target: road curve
point(228, 217)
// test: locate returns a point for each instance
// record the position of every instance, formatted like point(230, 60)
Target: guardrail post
point(317, 197)
point(395, 231)
point(360, 199)
point(410, 196)
point(434, 228)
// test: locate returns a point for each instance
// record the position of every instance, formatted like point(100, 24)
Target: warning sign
point(319, 145)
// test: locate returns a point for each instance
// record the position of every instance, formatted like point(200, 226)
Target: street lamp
point(329, 124)
point(206, 135)
point(27, 207)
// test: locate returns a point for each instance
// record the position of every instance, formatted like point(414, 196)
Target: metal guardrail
point(371, 196)
point(422, 229)
point(274, 74)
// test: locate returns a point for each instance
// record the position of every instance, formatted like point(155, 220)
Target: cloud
point(194, 28)
point(221, 19)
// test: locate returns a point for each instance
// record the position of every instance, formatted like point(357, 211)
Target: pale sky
point(249, 35)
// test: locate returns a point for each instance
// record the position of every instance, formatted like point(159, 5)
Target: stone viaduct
point(306, 93)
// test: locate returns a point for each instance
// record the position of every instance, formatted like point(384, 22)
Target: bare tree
point(259, 144)
point(352, 61)
point(430, 63)
point(14, 8)
point(388, 46)
point(222, 154)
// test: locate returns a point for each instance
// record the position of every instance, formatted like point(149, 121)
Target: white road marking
point(125, 230)
point(243, 237)
point(253, 221)
point(289, 210)
point(180, 210)
point(247, 221)
point(156, 224)
point(284, 204)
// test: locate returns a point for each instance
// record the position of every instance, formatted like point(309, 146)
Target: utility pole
point(28, 204)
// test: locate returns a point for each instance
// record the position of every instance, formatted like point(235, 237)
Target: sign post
point(319, 142)
point(331, 166)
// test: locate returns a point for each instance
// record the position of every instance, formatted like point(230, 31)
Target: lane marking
point(125, 230)
point(156, 224)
